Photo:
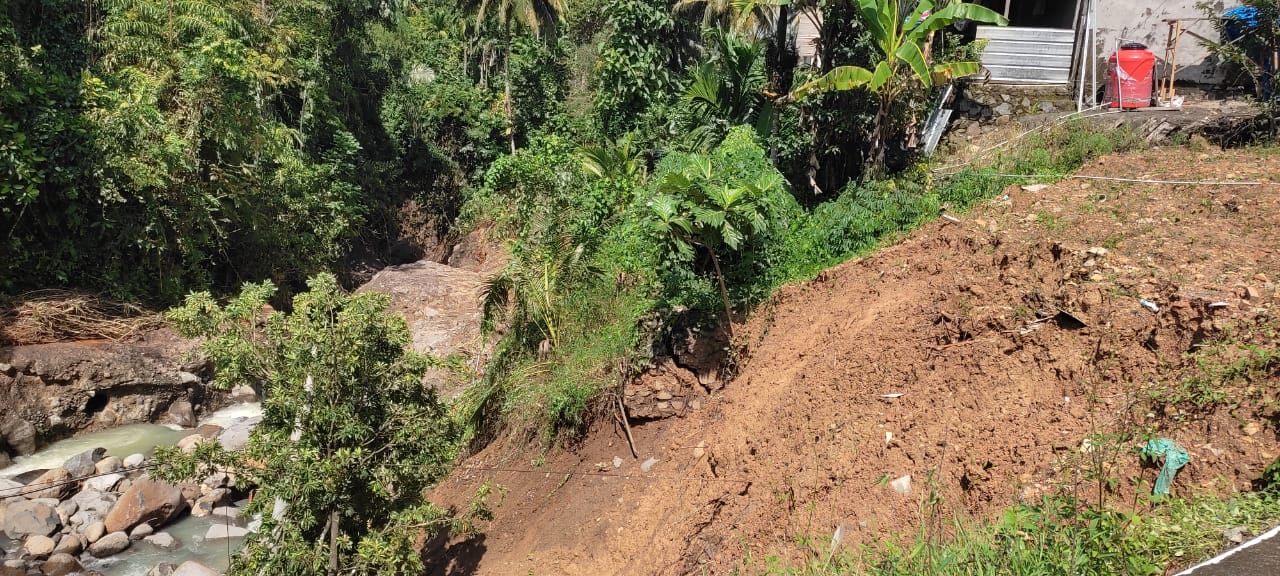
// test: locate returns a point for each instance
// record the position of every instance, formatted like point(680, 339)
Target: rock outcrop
point(56, 390)
point(443, 307)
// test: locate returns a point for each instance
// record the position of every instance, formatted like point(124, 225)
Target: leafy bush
point(350, 437)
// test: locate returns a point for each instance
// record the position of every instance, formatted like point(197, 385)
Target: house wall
point(807, 35)
point(1143, 21)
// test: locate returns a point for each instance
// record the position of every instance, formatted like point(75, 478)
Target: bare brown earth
point(994, 405)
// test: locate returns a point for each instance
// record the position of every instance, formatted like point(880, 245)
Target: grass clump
point(1056, 536)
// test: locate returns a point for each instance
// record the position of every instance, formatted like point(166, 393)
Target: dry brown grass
point(45, 316)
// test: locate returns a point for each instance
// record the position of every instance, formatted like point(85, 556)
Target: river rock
point(216, 480)
point(162, 540)
point(133, 460)
point(181, 413)
point(94, 506)
point(209, 430)
point(66, 509)
point(30, 517)
point(19, 434)
point(104, 483)
point(204, 505)
point(14, 567)
point(236, 436)
point(188, 443)
point(141, 531)
point(146, 500)
point(223, 531)
point(107, 465)
point(162, 569)
point(58, 482)
point(110, 545)
point(193, 568)
point(39, 546)
point(10, 489)
point(84, 463)
point(227, 512)
point(95, 532)
point(241, 393)
point(72, 544)
point(61, 565)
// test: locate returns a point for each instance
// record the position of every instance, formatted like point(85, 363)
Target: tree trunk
point(333, 543)
point(507, 107)
point(724, 292)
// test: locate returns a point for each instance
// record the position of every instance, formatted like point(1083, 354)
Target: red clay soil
point(1011, 335)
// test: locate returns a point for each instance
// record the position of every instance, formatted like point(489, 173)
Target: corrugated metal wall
point(1028, 55)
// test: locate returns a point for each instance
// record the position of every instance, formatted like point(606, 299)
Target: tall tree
point(539, 16)
point(351, 436)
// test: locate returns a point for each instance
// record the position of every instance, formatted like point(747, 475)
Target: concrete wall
point(1143, 21)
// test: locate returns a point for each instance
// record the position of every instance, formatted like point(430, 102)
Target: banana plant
point(900, 32)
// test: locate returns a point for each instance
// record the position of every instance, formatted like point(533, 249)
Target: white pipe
point(1093, 52)
point(1084, 51)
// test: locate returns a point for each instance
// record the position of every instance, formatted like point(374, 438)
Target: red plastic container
point(1129, 77)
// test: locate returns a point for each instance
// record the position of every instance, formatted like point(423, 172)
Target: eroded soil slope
point(1010, 335)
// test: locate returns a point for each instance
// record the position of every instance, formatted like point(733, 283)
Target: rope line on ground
point(651, 476)
point(1057, 122)
point(45, 486)
point(1141, 180)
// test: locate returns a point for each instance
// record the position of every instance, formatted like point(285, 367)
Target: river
point(189, 531)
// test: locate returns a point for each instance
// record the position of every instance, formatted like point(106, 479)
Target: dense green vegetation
point(648, 164)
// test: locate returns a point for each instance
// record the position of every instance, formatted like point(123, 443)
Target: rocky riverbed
point(100, 513)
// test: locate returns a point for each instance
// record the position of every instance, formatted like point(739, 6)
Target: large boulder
point(84, 463)
point(19, 434)
point(30, 517)
point(236, 435)
point(443, 306)
point(108, 465)
point(479, 252)
point(147, 500)
point(110, 545)
point(72, 544)
point(94, 532)
point(56, 483)
point(61, 565)
point(105, 482)
point(180, 413)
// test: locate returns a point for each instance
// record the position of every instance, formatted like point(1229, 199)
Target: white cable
point(1142, 180)
point(1058, 122)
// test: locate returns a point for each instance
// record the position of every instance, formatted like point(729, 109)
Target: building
point(1046, 40)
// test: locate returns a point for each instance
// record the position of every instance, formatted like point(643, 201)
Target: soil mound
point(975, 356)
